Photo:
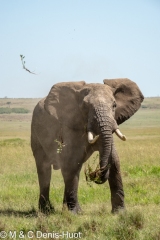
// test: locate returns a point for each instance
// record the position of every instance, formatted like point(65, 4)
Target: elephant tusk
point(120, 135)
point(92, 139)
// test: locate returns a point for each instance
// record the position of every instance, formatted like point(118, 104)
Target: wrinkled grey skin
point(68, 112)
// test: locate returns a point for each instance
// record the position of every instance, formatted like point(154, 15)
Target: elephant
point(72, 122)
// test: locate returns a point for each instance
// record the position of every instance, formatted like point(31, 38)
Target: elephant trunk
point(106, 125)
point(106, 138)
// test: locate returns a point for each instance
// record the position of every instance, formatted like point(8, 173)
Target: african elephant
point(81, 117)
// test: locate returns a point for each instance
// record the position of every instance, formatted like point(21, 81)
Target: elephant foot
point(118, 202)
point(75, 210)
point(117, 210)
point(45, 206)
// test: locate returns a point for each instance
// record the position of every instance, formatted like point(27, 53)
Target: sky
point(74, 40)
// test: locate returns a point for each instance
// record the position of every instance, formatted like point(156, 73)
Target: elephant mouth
point(92, 139)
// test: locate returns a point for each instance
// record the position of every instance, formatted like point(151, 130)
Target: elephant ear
point(128, 97)
point(62, 103)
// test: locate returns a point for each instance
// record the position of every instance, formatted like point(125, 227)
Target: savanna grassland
point(140, 167)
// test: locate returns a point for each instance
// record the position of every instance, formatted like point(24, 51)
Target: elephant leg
point(116, 185)
point(70, 200)
point(44, 177)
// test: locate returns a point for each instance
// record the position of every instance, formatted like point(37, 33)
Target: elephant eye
point(114, 105)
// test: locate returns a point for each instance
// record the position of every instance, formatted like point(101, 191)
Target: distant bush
point(144, 106)
point(13, 110)
point(20, 110)
point(5, 110)
point(12, 142)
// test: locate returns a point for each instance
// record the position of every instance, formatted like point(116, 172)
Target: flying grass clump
point(23, 64)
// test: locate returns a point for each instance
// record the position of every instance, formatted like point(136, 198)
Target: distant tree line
point(7, 110)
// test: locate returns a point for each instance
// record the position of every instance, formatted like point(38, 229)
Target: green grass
point(7, 110)
point(140, 167)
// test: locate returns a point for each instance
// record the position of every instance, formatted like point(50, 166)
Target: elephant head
point(97, 110)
